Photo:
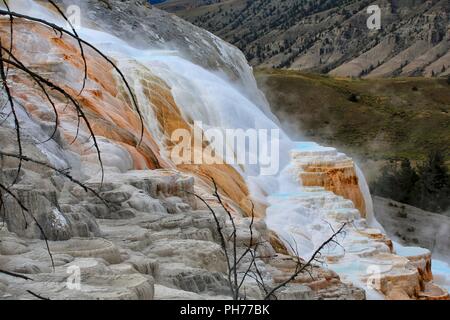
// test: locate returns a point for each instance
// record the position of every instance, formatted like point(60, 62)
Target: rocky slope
point(364, 255)
point(412, 226)
point(153, 239)
point(331, 36)
point(155, 243)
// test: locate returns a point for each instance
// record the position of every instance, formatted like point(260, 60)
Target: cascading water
point(298, 214)
point(367, 199)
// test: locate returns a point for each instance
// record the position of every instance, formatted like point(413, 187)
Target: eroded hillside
point(331, 36)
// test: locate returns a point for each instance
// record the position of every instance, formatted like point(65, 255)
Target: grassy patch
point(376, 119)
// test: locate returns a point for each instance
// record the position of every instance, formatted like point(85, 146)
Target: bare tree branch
point(60, 171)
point(16, 275)
point(13, 109)
point(37, 295)
point(77, 105)
point(252, 271)
point(234, 235)
point(84, 42)
point(6, 189)
point(11, 31)
point(304, 266)
point(79, 43)
point(221, 236)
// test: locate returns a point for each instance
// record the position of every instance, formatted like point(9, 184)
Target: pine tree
point(432, 190)
point(385, 184)
point(427, 188)
point(406, 180)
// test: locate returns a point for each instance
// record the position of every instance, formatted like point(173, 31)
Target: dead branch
point(221, 236)
point(301, 267)
point(11, 31)
point(13, 109)
point(83, 57)
point(60, 171)
point(235, 263)
point(84, 42)
point(25, 209)
point(57, 88)
point(15, 275)
point(20, 276)
point(7, 61)
point(37, 295)
point(252, 271)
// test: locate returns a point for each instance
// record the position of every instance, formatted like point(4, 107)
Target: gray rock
point(414, 227)
point(298, 292)
point(98, 248)
point(42, 211)
point(142, 25)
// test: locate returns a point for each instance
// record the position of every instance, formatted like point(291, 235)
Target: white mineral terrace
point(305, 217)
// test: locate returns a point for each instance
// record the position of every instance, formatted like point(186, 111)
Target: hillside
point(330, 36)
point(375, 120)
point(412, 226)
point(117, 182)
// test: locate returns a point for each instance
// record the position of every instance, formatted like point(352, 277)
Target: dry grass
point(377, 119)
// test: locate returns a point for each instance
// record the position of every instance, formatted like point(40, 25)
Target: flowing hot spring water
point(218, 102)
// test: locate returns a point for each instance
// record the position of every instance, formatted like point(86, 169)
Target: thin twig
point(80, 44)
point(13, 110)
point(106, 58)
point(68, 96)
point(300, 270)
point(6, 189)
point(37, 295)
point(230, 216)
point(222, 239)
point(15, 275)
